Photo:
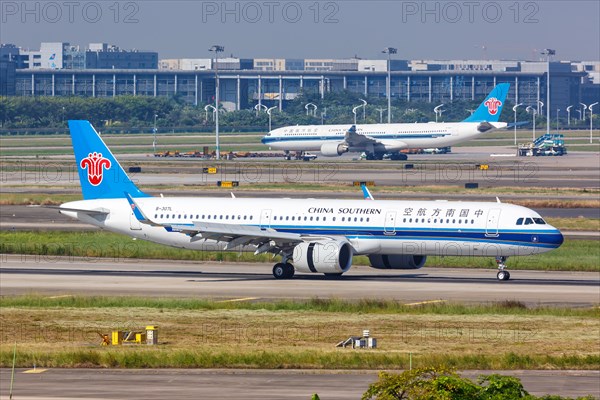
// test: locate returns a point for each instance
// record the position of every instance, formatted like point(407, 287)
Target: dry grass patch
point(260, 338)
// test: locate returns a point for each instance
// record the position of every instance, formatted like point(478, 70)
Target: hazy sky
point(314, 29)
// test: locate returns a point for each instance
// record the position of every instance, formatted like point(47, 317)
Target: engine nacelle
point(394, 261)
point(327, 257)
point(334, 149)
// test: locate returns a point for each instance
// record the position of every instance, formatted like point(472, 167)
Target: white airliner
point(311, 235)
point(378, 139)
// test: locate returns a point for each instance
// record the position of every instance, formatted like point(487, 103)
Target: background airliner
point(311, 235)
point(378, 139)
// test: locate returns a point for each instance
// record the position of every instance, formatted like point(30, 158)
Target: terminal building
point(274, 82)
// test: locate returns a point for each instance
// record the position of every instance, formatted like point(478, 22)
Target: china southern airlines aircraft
point(378, 139)
point(311, 235)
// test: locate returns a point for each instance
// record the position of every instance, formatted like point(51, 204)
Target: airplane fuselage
point(392, 137)
point(371, 227)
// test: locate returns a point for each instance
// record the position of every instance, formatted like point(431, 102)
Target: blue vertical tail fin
point(100, 174)
point(491, 108)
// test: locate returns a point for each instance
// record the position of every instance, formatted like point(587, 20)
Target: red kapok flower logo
point(95, 165)
point(492, 105)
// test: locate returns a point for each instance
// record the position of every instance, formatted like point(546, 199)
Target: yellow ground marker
point(35, 371)
point(425, 302)
point(236, 300)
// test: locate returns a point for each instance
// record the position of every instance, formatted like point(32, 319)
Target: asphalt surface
point(578, 169)
point(247, 384)
point(21, 274)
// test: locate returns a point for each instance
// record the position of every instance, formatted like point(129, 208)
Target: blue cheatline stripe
point(545, 239)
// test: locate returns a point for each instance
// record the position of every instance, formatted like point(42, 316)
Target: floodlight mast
point(548, 53)
point(217, 48)
point(389, 51)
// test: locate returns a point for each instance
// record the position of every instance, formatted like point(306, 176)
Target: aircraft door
point(389, 227)
point(134, 224)
point(265, 219)
point(493, 218)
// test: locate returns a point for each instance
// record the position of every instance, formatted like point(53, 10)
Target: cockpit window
point(528, 221)
point(520, 221)
point(539, 221)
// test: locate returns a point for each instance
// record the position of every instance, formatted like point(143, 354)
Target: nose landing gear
point(502, 275)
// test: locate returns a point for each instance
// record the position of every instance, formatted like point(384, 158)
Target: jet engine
point(327, 257)
point(334, 149)
point(394, 261)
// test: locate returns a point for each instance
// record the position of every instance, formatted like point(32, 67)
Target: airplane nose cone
point(560, 238)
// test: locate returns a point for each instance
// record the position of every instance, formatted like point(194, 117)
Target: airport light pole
point(515, 111)
point(154, 132)
point(541, 107)
point(269, 114)
point(569, 115)
point(591, 118)
point(259, 107)
point(389, 51)
point(354, 112)
point(364, 106)
point(381, 110)
point(583, 111)
point(206, 110)
point(548, 53)
point(437, 110)
point(314, 107)
point(217, 48)
point(533, 112)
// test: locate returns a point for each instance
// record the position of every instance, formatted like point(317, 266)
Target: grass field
point(573, 255)
point(207, 334)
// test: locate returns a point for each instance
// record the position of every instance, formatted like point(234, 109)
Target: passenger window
point(520, 221)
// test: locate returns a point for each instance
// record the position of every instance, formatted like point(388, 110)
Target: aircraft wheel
point(503, 275)
point(289, 270)
point(279, 271)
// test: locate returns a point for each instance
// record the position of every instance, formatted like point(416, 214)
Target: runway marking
point(35, 371)
point(425, 302)
point(241, 299)
point(60, 297)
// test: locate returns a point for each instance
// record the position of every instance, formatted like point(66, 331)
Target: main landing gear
point(283, 270)
point(502, 275)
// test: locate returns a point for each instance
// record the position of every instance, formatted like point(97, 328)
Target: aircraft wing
point(240, 235)
point(265, 240)
point(354, 139)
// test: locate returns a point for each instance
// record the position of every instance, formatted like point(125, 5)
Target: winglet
point(366, 193)
point(138, 213)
